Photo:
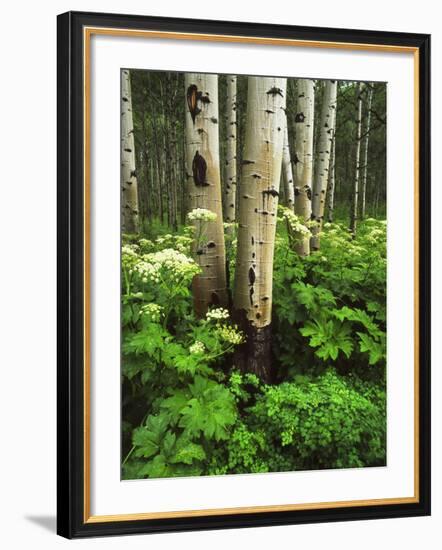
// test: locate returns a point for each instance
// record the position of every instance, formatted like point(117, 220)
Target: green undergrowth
point(187, 410)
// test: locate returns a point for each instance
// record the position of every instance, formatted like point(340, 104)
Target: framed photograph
point(243, 274)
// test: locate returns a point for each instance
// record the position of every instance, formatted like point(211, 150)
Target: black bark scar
point(199, 170)
point(276, 91)
point(192, 100)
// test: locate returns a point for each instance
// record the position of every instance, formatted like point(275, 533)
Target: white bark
point(331, 183)
point(287, 172)
point(354, 210)
point(258, 203)
point(326, 133)
point(366, 143)
point(230, 171)
point(303, 157)
point(204, 187)
point(129, 187)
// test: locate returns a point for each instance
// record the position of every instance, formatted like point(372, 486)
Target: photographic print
point(253, 274)
point(229, 351)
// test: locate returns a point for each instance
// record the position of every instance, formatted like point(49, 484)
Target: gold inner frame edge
point(87, 34)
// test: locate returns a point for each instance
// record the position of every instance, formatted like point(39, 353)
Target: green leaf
point(126, 315)
point(360, 316)
point(314, 298)
point(150, 340)
point(147, 439)
point(187, 452)
point(168, 444)
point(156, 468)
point(329, 337)
point(343, 313)
point(346, 346)
point(146, 444)
point(132, 365)
point(211, 413)
point(176, 403)
point(374, 349)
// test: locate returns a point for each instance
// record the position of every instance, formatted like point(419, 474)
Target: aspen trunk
point(167, 172)
point(366, 143)
point(129, 187)
point(204, 189)
point(158, 171)
point(171, 94)
point(145, 163)
point(184, 197)
point(258, 203)
point(331, 182)
point(230, 172)
point(303, 158)
point(287, 173)
point(326, 133)
point(354, 206)
point(377, 194)
point(154, 196)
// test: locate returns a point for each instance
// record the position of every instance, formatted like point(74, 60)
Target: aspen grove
point(253, 214)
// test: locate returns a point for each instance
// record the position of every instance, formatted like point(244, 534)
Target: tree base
point(255, 354)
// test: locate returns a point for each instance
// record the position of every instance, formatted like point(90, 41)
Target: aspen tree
point(326, 133)
point(366, 143)
point(287, 172)
point(129, 187)
point(258, 203)
point(303, 156)
point(230, 170)
point(354, 205)
point(204, 190)
point(331, 182)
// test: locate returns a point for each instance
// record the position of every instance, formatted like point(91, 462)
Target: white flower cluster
point(376, 235)
point(147, 271)
point(217, 314)
point(197, 348)
point(311, 224)
point(145, 245)
point(129, 255)
point(172, 259)
point(294, 223)
point(152, 312)
point(337, 238)
point(201, 214)
point(178, 242)
point(168, 262)
point(374, 221)
point(129, 249)
point(336, 231)
point(230, 334)
point(165, 239)
point(182, 243)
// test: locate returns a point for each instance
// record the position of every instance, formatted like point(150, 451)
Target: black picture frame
point(72, 520)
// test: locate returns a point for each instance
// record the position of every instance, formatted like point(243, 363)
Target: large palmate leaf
point(330, 337)
point(368, 345)
point(151, 340)
point(210, 412)
point(147, 439)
